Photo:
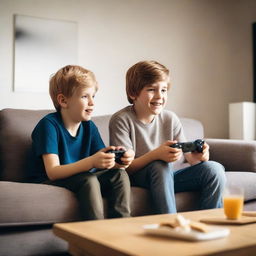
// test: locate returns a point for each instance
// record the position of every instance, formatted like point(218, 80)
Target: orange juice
point(233, 206)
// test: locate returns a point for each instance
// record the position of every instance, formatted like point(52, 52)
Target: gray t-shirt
point(126, 130)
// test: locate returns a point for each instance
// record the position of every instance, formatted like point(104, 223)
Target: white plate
point(192, 235)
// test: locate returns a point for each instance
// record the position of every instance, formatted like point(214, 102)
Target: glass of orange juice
point(233, 201)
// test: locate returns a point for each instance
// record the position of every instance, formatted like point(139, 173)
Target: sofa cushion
point(102, 123)
point(24, 204)
point(32, 241)
point(16, 126)
point(246, 180)
point(141, 202)
point(27, 204)
point(193, 129)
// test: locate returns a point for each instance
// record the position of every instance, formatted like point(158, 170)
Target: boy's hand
point(204, 156)
point(103, 160)
point(126, 159)
point(196, 157)
point(167, 153)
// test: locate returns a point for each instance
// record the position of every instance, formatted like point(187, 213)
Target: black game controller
point(118, 155)
point(193, 146)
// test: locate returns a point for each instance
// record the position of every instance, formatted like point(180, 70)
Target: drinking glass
point(233, 201)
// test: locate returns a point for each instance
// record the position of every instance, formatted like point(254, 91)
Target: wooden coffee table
point(125, 236)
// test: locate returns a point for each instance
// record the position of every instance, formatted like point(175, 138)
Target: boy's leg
point(207, 177)
point(87, 189)
point(115, 185)
point(158, 177)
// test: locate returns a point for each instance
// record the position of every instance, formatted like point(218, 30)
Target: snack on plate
point(178, 223)
point(200, 227)
point(181, 223)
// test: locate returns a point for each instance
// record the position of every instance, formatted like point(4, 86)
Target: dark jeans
point(163, 182)
point(91, 187)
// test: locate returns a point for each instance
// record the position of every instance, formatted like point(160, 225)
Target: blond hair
point(66, 80)
point(143, 74)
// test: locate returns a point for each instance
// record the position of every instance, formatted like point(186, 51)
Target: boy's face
point(80, 105)
point(151, 100)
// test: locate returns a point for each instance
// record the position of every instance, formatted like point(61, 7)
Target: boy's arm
point(56, 171)
point(163, 152)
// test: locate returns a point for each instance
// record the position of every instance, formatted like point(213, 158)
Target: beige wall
point(207, 44)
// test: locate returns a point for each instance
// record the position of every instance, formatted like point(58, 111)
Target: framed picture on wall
point(41, 47)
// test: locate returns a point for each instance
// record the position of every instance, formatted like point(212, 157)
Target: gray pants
point(91, 187)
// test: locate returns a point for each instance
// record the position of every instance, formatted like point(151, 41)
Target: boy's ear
point(62, 100)
point(132, 97)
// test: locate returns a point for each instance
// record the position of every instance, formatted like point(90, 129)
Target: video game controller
point(118, 155)
point(193, 146)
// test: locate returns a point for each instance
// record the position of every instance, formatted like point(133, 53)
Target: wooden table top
point(125, 236)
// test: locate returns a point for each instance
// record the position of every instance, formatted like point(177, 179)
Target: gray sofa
point(28, 211)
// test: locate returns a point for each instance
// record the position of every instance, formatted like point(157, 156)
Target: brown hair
point(142, 74)
point(66, 80)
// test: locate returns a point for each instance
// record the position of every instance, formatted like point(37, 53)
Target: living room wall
point(207, 44)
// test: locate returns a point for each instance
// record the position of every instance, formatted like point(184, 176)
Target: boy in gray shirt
point(150, 130)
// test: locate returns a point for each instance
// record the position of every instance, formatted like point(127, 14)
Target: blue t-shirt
point(51, 137)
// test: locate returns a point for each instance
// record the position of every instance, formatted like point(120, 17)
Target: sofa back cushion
point(16, 126)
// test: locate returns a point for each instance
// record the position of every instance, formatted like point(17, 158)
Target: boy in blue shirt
point(67, 149)
point(150, 130)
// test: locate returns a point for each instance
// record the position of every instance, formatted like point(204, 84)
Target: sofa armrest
point(235, 155)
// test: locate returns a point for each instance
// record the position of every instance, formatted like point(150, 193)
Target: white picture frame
point(41, 47)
